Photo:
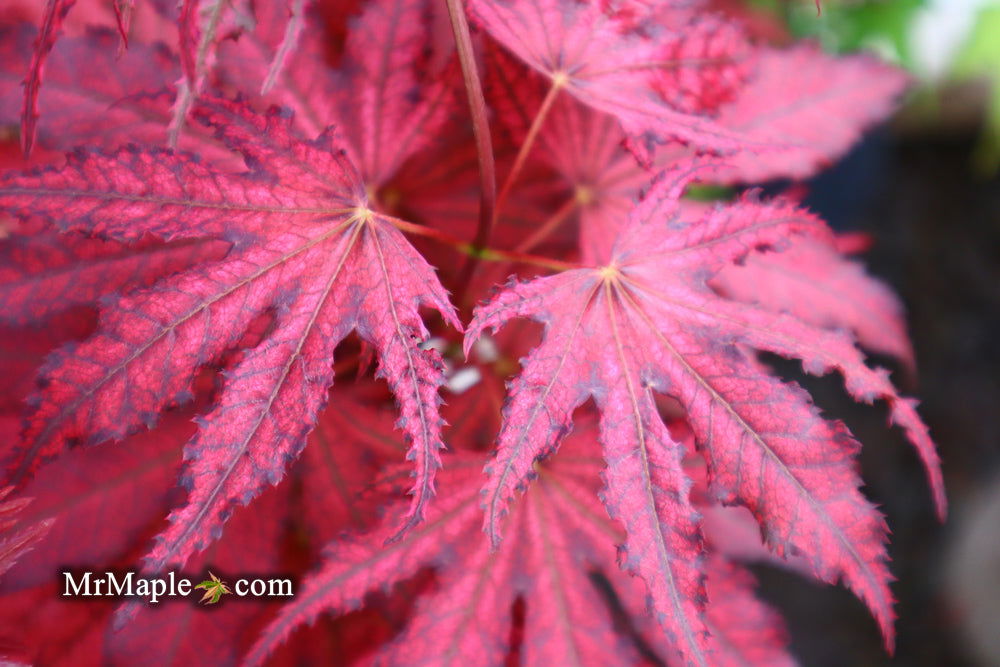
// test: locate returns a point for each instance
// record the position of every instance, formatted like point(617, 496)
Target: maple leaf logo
point(214, 587)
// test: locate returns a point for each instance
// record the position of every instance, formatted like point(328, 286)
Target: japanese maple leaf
point(123, 17)
point(386, 96)
point(560, 535)
point(44, 273)
point(645, 323)
point(790, 113)
point(52, 19)
point(585, 149)
point(49, 31)
point(810, 106)
point(104, 502)
point(201, 25)
point(609, 65)
point(38, 627)
point(584, 145)
point(810, 280)
point(91, 97)
point(806, 107)
point(817, 284)
point(746, 631)
point(180, 632)
point(392, 91)
point(22, 352)
point(214, 588)
point(306, 250)
point(351, 443)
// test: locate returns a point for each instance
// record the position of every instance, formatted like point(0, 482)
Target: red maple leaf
point(815, 283)
point(810, 280)
point(201, 26)
point(305, 248)
point(352, 442)
point(102, 502)
point(561, 546)
point(606, 62)
point(647, 322)
point(101, 505)
point(46, 273)
point(584, 146)
point(163, 285)
point(821, 113)
point(121, 498)
point(176, 631)
point(55, 13)
point(92, 97)
point(387, 95)
point(53, 16)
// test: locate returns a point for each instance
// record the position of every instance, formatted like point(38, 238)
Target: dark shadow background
point(936, 229)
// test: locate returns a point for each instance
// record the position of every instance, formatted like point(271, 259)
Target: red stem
point(471, 250)
point(480, 125)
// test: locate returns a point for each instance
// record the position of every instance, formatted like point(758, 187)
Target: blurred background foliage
point(950, 47)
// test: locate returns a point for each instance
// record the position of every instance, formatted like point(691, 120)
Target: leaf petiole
point(559, 80)
point(480, 125)
point(476, 252)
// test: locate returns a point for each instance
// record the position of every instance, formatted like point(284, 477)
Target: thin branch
point(545, 230)
point(541, 233)
point(193, 79)
point(665, 65)
point(292, 30)
point(529, 141)
point(472, 251)
point(480, 125)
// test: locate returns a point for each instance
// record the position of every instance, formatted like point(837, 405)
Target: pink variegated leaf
point(818, 285)
point(745, 631)
point(386, 95)
point(815, 114)
point(307, 252)
point(560, 534)
point(641, 77)
point(648, 322)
